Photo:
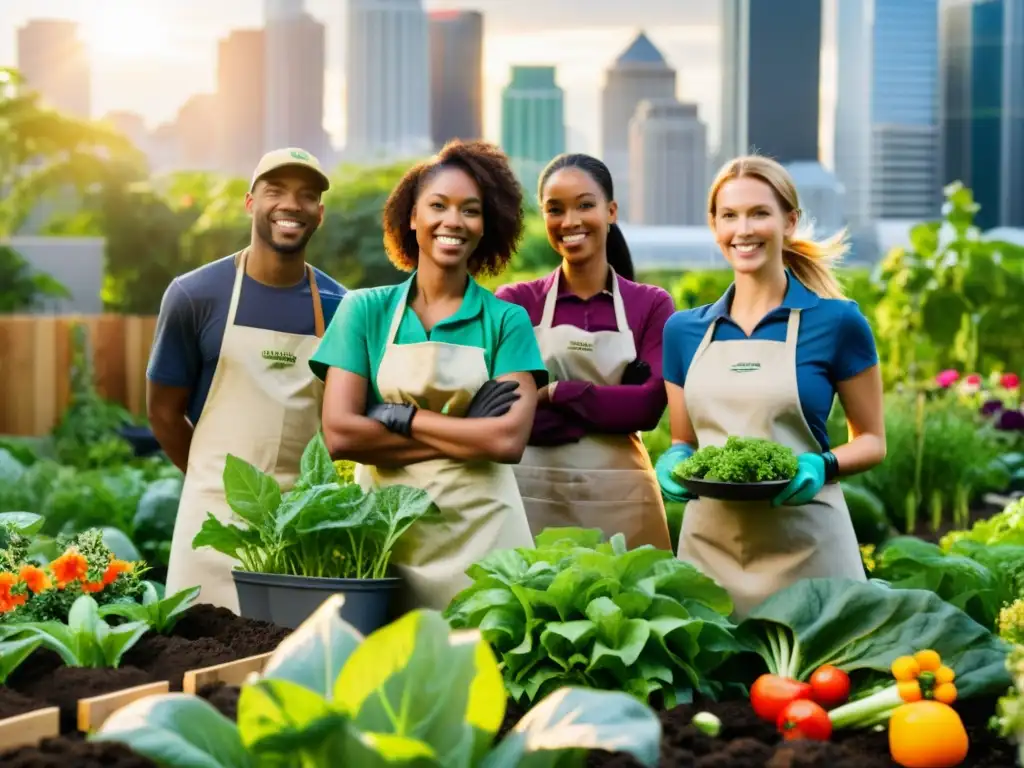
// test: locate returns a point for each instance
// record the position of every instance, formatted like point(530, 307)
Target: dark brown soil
point(74, 750)
point(13, 703)
point(204, 636)
point(747, 742)
point(223, 697)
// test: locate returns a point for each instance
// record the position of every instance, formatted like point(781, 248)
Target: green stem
point(867, 711)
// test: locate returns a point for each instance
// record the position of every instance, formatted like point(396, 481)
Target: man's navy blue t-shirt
point(194, 312)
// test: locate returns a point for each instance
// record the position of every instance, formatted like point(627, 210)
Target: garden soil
point(74, 751)
point(747, 742)
point(205, 635)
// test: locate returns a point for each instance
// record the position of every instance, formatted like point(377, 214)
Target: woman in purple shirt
point(600, 335)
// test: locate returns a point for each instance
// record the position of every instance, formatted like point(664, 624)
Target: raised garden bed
point(205, 636)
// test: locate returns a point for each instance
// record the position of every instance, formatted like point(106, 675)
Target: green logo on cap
point(299, 155)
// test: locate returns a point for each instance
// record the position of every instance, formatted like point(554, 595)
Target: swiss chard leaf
point(857, 625)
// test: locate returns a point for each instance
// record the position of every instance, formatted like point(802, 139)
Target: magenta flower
point(947, 378)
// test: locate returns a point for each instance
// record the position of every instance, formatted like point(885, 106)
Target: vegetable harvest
point(740, 460)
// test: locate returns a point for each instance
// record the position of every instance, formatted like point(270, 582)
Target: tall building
point(983, 98)
point(456, 76)
point(294, 76)
point(54, 62)
point(668, 164)
point(821, 197)
point(771, 65)
point(532, 123)
point(639, 73)
point(387, 76)
point(852, 143)
point(241, 74)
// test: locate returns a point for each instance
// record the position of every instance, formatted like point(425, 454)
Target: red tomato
point(804, 719)
point(830, 686)
point(770, 694)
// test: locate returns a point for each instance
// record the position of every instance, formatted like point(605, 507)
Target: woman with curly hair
point(600, 336)
point(433, 383)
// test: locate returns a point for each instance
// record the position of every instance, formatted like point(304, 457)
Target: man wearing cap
point(229, 372)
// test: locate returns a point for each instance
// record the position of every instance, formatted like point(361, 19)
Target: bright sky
point(149, 56)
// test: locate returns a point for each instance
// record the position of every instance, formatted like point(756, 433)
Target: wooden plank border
point(230, 672)
point(93, 711)
point(29, 728)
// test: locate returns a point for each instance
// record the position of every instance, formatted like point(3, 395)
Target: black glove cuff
point(831, 466)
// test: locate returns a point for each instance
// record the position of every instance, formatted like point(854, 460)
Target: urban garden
point(576, 653)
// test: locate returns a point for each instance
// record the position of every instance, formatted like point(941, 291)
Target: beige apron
point(603, 481)
point(479, 502)
point(749, 389)
point(264, 406)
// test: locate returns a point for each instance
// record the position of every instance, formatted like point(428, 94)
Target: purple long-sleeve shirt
point(579, 407)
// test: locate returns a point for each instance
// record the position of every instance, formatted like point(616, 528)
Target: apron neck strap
point(236, 294)
point(318, 307)
point(396, 318)
point(792, 332)
point(547, 319)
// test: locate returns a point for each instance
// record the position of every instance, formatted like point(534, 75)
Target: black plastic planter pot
point(289, 600)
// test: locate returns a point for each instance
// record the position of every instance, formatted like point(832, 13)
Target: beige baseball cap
point(289, 156)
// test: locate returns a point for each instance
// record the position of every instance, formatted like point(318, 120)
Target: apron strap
point(396, 319)
point(709, 334)
point(548, 317)
point(792, 333)
point(622, 325)
point(236, 291)
point(318, 308)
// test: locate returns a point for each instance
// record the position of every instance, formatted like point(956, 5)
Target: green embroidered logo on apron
point(576, 345)
point(745, 367)
point(279, 359)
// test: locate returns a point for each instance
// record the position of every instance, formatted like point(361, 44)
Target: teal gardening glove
point(813, 471)
point(670, 489)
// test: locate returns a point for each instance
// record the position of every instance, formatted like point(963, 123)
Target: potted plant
point(324, 536)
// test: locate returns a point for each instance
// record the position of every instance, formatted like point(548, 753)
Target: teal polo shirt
point(834, 343)
point(358, 333)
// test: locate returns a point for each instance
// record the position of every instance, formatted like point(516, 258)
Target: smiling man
point(229, 370)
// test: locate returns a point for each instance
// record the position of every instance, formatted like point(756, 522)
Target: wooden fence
point(35, 366)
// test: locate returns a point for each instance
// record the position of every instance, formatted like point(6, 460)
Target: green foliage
point(20, 288)
point(740, 460)
point(575, 611)
point(412, 693)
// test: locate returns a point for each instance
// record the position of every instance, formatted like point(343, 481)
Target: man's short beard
point(266, 234)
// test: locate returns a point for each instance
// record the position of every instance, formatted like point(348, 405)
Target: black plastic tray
point(714, 489)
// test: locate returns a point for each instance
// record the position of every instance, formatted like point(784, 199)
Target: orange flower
point(35, 578)
point(9, 600)
point(115, 569)
point(90, 586)
point(69, 567)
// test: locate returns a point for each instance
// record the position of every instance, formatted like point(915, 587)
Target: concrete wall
point(75, 262)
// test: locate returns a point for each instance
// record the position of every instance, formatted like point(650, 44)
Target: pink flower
point(947, 378)
point(970, 384)
point(974, 379)
point(1009, 381)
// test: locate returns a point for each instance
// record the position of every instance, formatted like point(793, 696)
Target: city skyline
point(177, 58)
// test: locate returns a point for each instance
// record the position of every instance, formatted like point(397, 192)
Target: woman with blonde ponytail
point(767, 361)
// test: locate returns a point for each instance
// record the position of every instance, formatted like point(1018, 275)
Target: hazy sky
point(149, 56)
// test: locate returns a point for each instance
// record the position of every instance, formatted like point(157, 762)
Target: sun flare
point(124, 32)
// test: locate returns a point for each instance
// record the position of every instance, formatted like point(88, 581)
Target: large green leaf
point(316, 467)
point(858, 625)
point(416, 678)
point(252, 495)
point(315, 653)
point(176, 730)
point(560, 729)
point(280, 720)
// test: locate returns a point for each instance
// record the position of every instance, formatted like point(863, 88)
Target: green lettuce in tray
point(740, 460)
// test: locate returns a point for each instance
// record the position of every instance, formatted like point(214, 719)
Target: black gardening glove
point(494, 398)
point(637, 372)
point(396, 417)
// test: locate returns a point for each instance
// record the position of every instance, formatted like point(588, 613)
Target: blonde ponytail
point(809, 260)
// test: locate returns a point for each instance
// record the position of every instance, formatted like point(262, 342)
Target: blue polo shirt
point(835, 343)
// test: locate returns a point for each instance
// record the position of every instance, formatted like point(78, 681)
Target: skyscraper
point(983, 98)
point(456, 75)
point(771, 65)
point(639, 73)
point(668, 164)
point(387, 75)
point(532, 122)
point(294, 76)
point(241, 100)
point(54, 62)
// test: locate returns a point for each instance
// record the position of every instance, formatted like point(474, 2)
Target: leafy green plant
point(863, 627)
point(86, 640)
point(321, 527)
point(578, 611)
point(413, 693)
point(740, 460)
point(159, 614)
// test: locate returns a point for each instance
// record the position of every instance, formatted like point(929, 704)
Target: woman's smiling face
point(750, 224)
